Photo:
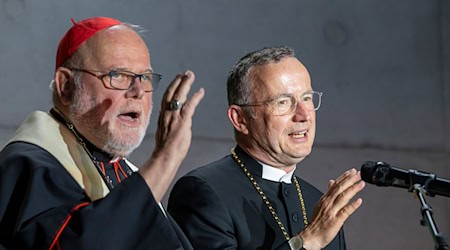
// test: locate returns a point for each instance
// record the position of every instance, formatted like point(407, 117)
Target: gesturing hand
point(175, 119)
point(333, 209)
point(173, 135)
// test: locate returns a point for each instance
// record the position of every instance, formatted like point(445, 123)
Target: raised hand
point(173, 135)
point(333, 209)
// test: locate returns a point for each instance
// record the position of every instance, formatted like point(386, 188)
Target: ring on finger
point(175, 105)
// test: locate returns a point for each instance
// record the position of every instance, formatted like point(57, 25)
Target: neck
point(92, 149)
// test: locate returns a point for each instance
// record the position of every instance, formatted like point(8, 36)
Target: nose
point(136, 89)
point(302, 113)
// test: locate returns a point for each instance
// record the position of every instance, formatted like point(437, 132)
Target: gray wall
point(384, 67)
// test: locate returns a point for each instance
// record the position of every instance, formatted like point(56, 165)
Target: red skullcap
point(79, 33)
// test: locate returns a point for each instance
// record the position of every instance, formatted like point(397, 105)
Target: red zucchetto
point(79, 33)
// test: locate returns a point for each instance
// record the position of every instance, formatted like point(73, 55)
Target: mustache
point(132, 106)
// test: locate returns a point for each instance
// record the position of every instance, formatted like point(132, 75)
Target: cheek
point(108, 108)
point(275, 128)
point(148, 105)
point(313, 121)
point(280, 124)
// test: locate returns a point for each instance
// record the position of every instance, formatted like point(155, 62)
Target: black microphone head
point(367, 170)
point(372, 172)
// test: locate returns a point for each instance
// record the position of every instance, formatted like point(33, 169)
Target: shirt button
point(295, 217)
point(287, 192)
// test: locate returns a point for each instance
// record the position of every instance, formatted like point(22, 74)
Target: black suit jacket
point(218, 207)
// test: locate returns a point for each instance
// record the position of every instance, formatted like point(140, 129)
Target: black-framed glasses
point(123, 80)
point(286, 104)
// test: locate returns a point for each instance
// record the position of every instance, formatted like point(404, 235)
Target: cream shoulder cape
point(42, 130)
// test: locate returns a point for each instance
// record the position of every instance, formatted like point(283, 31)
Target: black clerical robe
point(50, 202)
point(218, 207)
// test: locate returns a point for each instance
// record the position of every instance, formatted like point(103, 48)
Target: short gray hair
point(239, 82)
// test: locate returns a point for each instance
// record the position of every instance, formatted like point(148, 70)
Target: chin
point(119, 149)
point(301, 154)
point(124, 144)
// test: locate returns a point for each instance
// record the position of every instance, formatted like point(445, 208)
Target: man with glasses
point(251, 199)
point(65, 182)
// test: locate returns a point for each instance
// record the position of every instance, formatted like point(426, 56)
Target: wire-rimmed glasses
point(286, 103)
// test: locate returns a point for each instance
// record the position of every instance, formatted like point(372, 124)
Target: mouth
point(130, 116)
point(299, 134)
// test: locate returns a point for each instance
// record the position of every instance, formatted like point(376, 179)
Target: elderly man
point(65, 181)
point(251, 199)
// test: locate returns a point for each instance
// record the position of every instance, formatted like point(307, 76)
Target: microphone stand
point(427, 217)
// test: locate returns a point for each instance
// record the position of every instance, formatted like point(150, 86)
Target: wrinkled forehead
point(116, 47)
point(100, 40)
point(289, 76)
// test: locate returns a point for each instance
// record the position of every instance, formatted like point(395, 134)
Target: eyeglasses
point(123, 80)
point(286, 104)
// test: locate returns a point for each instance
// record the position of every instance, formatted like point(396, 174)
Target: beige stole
point(42, 130)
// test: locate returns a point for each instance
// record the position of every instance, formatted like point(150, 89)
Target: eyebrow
point(289, 95)
point(128, 70)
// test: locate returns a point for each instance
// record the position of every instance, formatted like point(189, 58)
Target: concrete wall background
point(384, 67)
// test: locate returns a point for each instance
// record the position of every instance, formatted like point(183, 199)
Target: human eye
point(117, 75)
point(147, 77)
point(284, 101)
point(307, 97)
point(120, 79)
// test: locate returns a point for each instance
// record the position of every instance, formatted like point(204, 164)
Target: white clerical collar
point(131, 165)
point(276, 174)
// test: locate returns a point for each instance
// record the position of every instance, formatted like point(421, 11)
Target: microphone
point(383, 174)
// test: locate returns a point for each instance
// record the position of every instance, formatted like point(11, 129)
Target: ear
point(62, 85)
point(238, 118)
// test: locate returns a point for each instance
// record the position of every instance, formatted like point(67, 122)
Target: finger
point(346, 174)
point(191, 104)
point(344, 181)
point(343, 199)
point(351, 191)
point(330, 183)
point(348, 210)
point(336, 183)
point(185, 85)
point(180, 87)
point(168, 95)
point(343, 191)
